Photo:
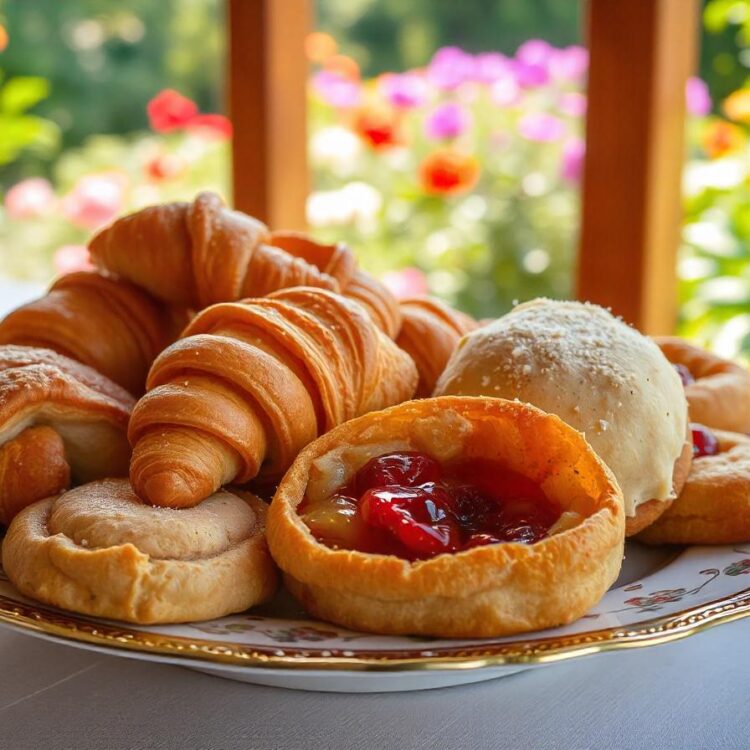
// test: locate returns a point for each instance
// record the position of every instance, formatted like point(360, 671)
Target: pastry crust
point(104, 323)
point(57, 418)
point(714, 505)
point(596, 373)
point(720, 396)
point(493, 590)
point(251, 384)
point(430, 330)
point(99, 551)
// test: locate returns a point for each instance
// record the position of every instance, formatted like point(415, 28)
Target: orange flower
point(737, 106)
point(343, 65)
point(720, 138)
point(378, 127)
point(448, 172)
point(319, 46)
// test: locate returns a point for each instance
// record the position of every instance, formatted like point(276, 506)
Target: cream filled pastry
point(600, 376)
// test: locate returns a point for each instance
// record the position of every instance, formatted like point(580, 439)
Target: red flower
point(378, 127)
point(169, 110)
point(165, 167)
point(448, 172)
point(216, 126)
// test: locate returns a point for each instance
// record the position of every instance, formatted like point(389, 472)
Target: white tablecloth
point(691, 694)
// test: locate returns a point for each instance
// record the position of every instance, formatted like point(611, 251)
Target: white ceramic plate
point(663, 594)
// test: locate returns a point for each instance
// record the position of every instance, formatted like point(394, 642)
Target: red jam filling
point(685, 375)
point(410, 505)
point(705, 442)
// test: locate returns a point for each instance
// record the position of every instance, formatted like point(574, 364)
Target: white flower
point(721, 174)
point(335, 147)
point(355, 202)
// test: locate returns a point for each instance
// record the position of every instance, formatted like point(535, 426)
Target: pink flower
point(70, 258)
point(573, 154)
point(404, 90)
point(212, 126)
point(337, 90)
point(491, 66)
point(450, 67)
point(447, 120)
point(95, 200)
point(541, 126)
point(169, 110)
point(407, 282)
point(505, 91)
point(569, 64)
point(531, 63)
point(30, 199)
point(697, 97)
point(572, 104)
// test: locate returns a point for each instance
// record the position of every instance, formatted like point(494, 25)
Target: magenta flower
point(447, 120)
point(408, 282)
point(450, 67)
point(569, 64)
point(95, 200)
point(573, 154)
point(30, 199)
point(337, 90)
point(697, 97)
point(70, 258)
point(535, 52)
point(541, 127)
point(404, 90)
point(572, 104)
point(490, 67)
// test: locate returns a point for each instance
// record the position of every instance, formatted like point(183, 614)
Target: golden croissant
point(430, 331)
point(104, 323)
point(59, 420)
point(252, 383)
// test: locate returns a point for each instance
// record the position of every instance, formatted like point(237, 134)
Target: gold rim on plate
point(61, 625)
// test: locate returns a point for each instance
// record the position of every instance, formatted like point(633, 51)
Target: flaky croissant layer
point(252, 383)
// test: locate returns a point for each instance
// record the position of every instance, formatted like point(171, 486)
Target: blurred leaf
point(21, 93)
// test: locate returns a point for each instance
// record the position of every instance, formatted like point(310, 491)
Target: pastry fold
point(104, 323)
point(99, 551)
point(430, 331)
point(59, 420)
point(492, 590)
point(251, 384)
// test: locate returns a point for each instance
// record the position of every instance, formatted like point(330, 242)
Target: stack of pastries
point(219, 407)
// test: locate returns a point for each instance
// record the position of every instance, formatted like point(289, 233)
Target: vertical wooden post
point(268, 106)
point(642, 52)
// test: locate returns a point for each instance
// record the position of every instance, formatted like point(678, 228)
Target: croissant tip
point(168, 489)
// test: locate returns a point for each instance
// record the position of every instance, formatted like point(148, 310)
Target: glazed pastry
point(429, 333)
point(57, 418)
point(529, 536)
point(106, 324)
point(599, 375)
point(714, 505)
point(250, 384)
point(717, 390)
point(99, 551)
point(196, 254)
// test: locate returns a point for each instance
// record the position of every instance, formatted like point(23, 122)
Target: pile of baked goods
point(218, 403)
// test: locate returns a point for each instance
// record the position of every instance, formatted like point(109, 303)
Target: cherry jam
point(704, 441)
point(410, 505)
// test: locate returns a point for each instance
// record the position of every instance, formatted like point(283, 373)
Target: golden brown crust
point(430, 330)
point(98, 551)
point(42, 392)
point(720, 396)
point(486, 591)
point(714, 505)
point(251, 384)
point(379, 303)
point(104, 323)
point(32, 466)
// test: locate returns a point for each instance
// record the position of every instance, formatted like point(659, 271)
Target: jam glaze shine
point(409, 505)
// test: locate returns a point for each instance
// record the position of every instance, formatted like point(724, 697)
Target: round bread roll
point(600, 376)
point(99, 551)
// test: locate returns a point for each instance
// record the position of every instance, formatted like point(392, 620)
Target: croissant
point(104, 323)
point(59, 421)
point(430, 330)
point(250, 384)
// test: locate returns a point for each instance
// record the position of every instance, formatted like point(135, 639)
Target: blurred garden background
point(446, 141)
